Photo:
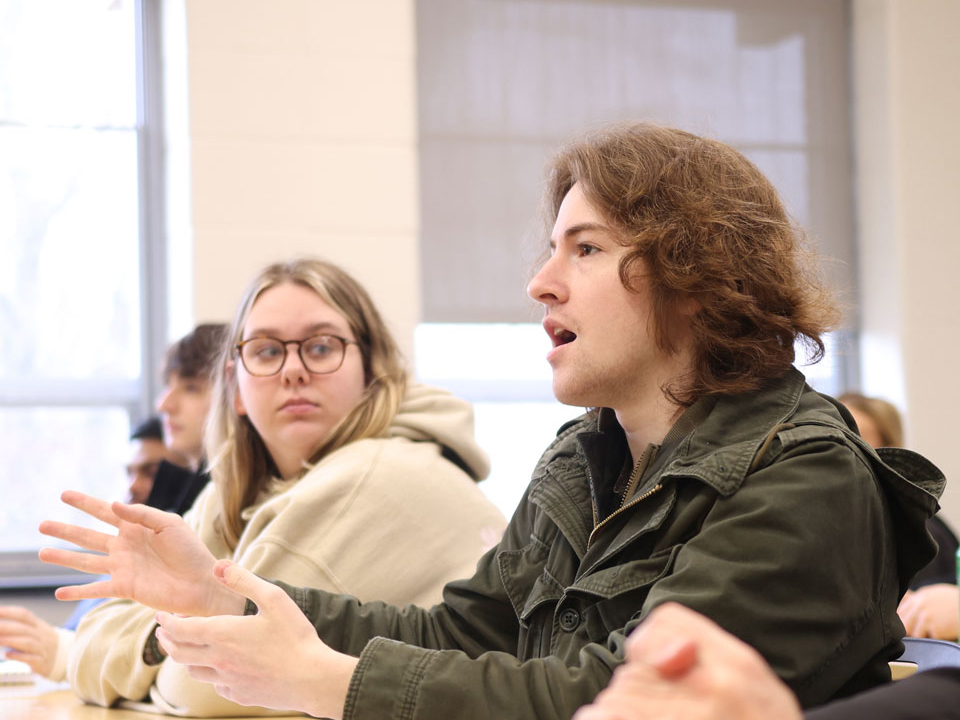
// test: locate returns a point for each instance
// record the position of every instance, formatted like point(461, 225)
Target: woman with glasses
point(329, 470)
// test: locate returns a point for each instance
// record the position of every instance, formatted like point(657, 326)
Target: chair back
point(925, 654)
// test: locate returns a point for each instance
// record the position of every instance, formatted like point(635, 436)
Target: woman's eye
point(320, 348)
point(587, 249)
point(268, 351)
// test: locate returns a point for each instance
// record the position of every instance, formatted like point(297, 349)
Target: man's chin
point(568, 394)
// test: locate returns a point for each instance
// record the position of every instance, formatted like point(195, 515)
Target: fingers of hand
point(20, 642)
point(245, 583)
point(84, 537)
point(92, 506)
point(99, 589)
point(84, 562)
point(148, 517)
point(17, 614)
point(36, 663)
point(184, 652)
point(212, 632)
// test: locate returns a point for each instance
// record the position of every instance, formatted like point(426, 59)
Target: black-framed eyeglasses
point(320, 354)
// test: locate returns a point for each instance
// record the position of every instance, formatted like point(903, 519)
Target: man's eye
point(587, 249)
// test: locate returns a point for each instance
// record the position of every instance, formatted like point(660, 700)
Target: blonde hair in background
point(884, 415)
point(239, 462)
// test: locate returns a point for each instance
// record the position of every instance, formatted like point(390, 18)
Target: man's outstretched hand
point(154, 558)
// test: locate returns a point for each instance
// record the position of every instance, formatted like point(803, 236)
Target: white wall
point(302, 138)
point(907, 80)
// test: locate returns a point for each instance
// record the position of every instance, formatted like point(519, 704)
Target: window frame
point(23, 569)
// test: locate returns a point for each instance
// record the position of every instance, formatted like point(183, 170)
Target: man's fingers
point(148, 517)
point(84, 537)
point(675, 658)
point(94, 590)
point(82, 561)
point(245, 583)
point(100, 509)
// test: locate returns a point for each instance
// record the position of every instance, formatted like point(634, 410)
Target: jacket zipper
point(656, 488)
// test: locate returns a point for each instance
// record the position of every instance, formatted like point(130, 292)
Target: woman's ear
point(230, 379)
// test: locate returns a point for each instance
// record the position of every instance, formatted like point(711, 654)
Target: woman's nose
point(293, 370)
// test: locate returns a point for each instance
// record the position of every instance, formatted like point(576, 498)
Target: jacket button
point(569, 620)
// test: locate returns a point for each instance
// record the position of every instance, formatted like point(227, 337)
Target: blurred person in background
point(183, 406)
point(148, 450)
point(932, 605)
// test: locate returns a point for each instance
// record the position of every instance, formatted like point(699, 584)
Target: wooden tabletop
point(45, 701)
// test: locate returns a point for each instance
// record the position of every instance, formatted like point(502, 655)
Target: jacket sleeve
point(457, 659)
point(800, 558)
point(743, 567)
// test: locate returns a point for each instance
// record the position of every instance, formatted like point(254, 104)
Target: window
point(76, 216)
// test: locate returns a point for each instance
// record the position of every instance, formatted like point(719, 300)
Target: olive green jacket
point(764, 512)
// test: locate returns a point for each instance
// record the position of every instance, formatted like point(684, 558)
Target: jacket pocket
point(611, 597)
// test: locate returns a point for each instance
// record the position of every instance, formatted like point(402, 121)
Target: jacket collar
point(718, 450)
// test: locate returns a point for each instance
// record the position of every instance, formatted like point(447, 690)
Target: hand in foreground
point(30, 639)
point(682, 666)
point(273, 659)
point(931, 611)
point(154, 559)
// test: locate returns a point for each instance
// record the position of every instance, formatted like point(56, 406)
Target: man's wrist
point(330, 696)
point(226, 602)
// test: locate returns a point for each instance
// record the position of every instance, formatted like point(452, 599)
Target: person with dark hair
point(184, 405)
point(707, 473)
point(931, 607)
point(36, 642)
point(148, 451)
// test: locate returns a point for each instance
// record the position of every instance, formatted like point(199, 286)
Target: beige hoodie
point(381, 519)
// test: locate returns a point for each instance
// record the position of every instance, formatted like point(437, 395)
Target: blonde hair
point(884, 414)
point(239, 461)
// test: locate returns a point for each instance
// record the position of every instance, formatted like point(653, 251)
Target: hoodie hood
point(429, 414)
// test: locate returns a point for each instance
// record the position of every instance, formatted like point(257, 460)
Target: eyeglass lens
point(265, 356)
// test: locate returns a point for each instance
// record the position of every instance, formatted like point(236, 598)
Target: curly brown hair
point(708, 225)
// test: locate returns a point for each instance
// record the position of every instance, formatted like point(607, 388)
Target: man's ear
point(230, 378)
point(689, 306)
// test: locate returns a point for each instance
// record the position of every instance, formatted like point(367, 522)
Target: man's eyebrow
point(583, 227)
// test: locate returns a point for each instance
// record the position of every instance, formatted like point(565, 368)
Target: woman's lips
point(298, 406)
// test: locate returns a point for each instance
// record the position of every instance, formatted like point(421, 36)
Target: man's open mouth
point(562, 337)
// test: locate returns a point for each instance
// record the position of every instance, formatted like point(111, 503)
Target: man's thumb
point(238, 579)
